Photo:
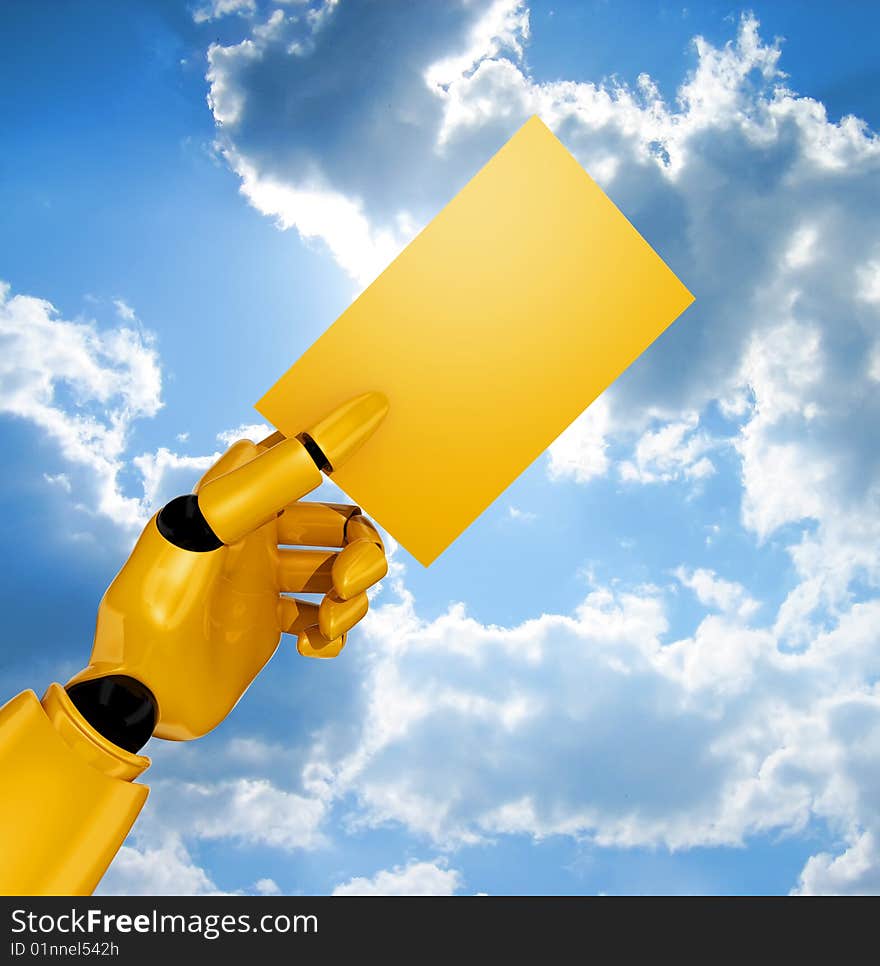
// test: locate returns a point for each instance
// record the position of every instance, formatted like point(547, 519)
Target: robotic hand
point(190, 620)
point(197, 610)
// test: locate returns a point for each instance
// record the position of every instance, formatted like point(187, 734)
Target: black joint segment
point(122, 709)
point(357, 512)
point(316, 453)
point(181, 522)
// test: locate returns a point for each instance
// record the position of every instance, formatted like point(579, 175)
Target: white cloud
point(318, 212)
point(869, 282)
point(855, 871)
point(58, 479)
point(713, 591)
point(267, 887)
point(250, 811)
point(414, 879)
point(163, 870)
point(783, 479)
point(124, 310)
point(802, 249)
point(82, 387)
point(526, 516)
point(703, 741)
point(215, 9)
point(874, 368)
point(166, 474)
point(85, 388)
point(252, 431)
point(580, 452)
point(290, 180)
point(675, 451)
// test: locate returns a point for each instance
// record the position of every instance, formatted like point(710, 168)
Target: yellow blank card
point(493, 330)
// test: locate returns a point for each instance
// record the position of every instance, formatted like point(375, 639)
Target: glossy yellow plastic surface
point(231, 508)
point(196, 628)
point(496, 327)
point(66, 797)
point(236, 505)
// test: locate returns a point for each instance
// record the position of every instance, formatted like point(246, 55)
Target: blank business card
point(497, 326)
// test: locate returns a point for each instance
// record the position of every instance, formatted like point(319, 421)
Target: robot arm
point(190, 620)
point(67, 797)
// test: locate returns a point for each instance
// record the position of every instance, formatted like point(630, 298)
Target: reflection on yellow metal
point(66, 798)
point(197, 627)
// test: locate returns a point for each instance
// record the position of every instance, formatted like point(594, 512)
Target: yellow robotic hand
point(199, 607)
point(190, 620)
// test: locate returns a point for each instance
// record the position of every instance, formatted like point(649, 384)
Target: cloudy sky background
point(652, 665)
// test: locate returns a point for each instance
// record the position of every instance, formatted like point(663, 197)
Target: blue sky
point(652, 665)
